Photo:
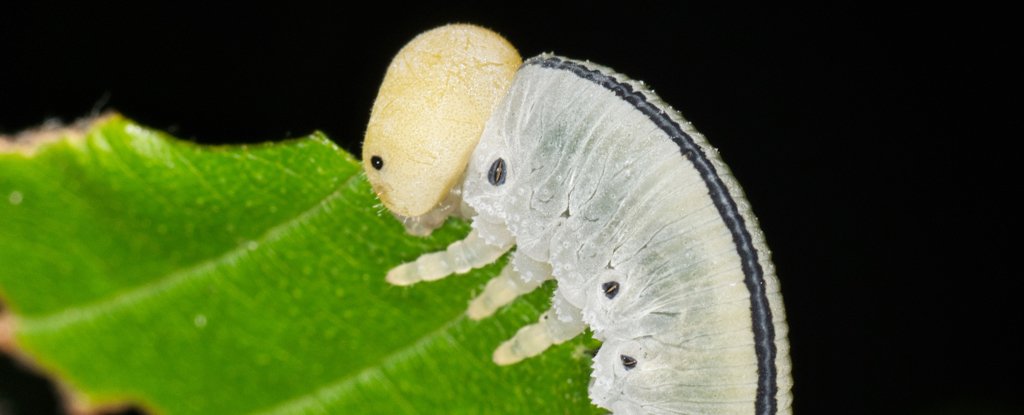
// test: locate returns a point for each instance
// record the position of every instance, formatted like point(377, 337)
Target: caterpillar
point(604, 188)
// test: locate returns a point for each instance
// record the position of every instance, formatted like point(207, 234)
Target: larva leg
point(460, 257)
point(508, 285)
point(531, 340)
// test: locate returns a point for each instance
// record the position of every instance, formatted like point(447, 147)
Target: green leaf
point(247, 280)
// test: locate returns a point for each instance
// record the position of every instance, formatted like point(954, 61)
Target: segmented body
point(648, 235)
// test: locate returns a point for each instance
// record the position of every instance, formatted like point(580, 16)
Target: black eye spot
point(611, 289)
point(377, 162)
point(497, 174)
point(627, 361)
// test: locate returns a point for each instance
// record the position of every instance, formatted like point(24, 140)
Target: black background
point(866, 138)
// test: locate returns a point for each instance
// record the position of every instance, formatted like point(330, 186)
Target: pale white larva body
point(601, 186)
point(608, 185)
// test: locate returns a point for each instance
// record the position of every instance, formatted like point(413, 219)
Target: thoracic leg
point(460, 257)
point(531, 340)
point(508, 285)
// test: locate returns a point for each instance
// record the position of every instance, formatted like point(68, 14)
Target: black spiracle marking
point(628, 362)
point(611, 289)
point(497, 173)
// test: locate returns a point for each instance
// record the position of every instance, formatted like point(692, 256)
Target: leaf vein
point(168, 282)
point(303, 403)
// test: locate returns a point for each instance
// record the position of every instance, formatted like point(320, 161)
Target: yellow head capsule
point(437, 95)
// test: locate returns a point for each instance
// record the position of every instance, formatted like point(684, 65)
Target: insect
point(600, 186)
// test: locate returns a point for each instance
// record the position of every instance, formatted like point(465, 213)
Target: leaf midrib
point(338, 387)
point(125, 298)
